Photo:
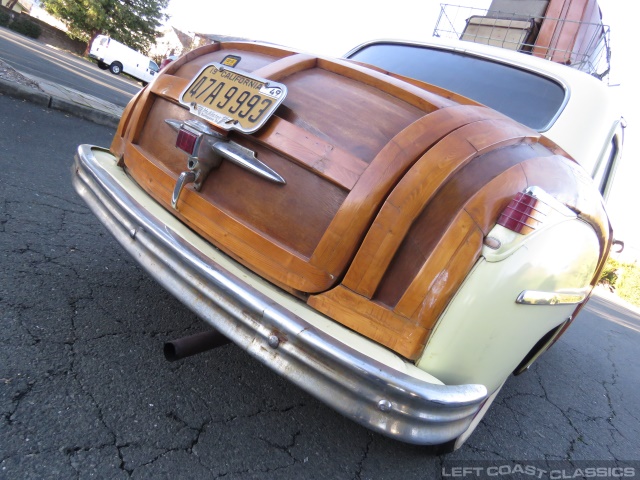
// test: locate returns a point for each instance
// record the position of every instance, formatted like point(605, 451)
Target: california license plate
point(232, 99)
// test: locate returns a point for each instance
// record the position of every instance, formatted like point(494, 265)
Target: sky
point(333, 27)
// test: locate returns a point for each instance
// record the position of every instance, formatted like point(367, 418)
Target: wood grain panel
point(441, 92)
point(169, 87)
point(428, 305)
point(422, 99)
point(344, 112)
point(395, 218)
point(264, 256)
point(428, 284)
point(125, 118)
point(423, 85)
point(294, 215)
point(417, 188)
point(138, 118)
point(445, 268)
point(299, 145)
point(280, 69)
point(374, 321)
point(347, 229)
point(304, 148)
point(482, 188)
point(474, 197)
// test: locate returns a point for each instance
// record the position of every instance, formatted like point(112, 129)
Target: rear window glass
point(531, 99)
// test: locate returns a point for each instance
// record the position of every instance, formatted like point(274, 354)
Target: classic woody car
point(393, 242)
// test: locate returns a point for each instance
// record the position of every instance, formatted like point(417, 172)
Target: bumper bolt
point(384, 405)
point(273, 341)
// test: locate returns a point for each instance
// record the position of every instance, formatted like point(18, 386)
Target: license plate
point(232, 99)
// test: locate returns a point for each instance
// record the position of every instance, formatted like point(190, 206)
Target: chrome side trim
point(358, 386)
point(532, 297)
point(232, 151)
point(245, 158)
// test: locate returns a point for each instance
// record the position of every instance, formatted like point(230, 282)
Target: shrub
point(629, 284)
point(624, 279)
point(25, 27)
point(4, 18)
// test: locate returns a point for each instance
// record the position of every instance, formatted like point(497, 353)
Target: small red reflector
point(186, 141)
point(523, 214)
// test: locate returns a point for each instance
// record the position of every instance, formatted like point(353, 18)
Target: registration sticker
point(231, 60)
point(232, 99)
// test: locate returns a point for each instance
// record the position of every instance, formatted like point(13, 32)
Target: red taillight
point(187, 141)
point(523, 214)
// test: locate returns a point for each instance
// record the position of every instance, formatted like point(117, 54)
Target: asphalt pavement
point(85, 392)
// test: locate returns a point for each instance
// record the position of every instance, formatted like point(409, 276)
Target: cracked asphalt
point(85, 391)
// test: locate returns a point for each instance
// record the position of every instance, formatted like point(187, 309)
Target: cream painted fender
point(484, 334)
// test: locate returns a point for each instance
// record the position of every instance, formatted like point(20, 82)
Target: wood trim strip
point(418, 97)
point(482, 189)
point(343, 237)
point(139, 115)
point(426, 286)
point(417, 188)
point(486, 204)
point(169, 86)
point(555, 148)
point(441, 92)
point(372, 320)
point(265, 257)
point(446, 282)
point(257, 47)
point(282, 68)
point(189, 56)
point(304, 148)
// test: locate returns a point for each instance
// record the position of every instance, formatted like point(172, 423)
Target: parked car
point(395, 244)
point(118, 58)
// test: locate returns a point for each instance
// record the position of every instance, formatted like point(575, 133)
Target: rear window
point(531, 99)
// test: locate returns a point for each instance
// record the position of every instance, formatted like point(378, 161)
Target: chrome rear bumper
point(271, 325)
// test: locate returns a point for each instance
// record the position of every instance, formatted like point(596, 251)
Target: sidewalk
point(51, 95)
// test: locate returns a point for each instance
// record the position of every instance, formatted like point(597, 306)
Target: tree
point(132, 22)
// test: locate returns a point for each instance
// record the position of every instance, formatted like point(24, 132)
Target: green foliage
point(624, 279)
point(4, 18)
point(132, 22)
point(25, 27)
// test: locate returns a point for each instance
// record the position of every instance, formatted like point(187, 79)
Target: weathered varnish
point(391, 185)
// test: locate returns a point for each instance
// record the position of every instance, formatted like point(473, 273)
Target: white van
point(117, 57)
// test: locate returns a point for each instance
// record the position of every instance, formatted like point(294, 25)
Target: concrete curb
point(48, 101)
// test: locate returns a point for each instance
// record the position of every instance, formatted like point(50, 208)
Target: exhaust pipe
point(200, 342)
